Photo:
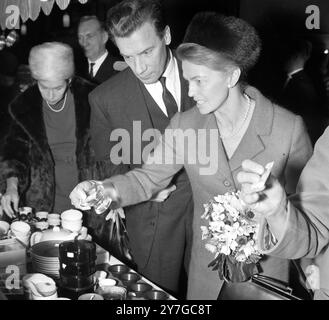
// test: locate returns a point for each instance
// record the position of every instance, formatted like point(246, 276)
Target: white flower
point(240, 257)
point(218, 208)
point(212, 248)
point(248, 249)
point(237, 204)
point(225, 250)
point(219, 198)
point(216, 226)
point(229, 232)
point(205, 232)
point(233, 245)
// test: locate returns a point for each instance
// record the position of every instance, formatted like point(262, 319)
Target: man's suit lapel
point(136, 106)
point(145, 103)
point(260, 125)
point(105, 70)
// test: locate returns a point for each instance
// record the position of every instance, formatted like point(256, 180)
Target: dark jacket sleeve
point(162, 164)
point(101, 128)
point(15, 160)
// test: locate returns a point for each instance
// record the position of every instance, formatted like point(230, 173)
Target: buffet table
point(104, 262)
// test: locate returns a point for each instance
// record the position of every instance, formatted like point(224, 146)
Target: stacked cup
point(42, 220)
point(77, 267)
point(54, 220)
point(72, 220)
point(21, 231)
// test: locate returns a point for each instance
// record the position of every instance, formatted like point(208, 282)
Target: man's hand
point(163, 194)
point(264, 199)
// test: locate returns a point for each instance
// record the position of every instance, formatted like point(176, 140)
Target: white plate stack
point(45, 258)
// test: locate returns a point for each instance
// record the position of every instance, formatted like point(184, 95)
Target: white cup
point(25, 210)
point(104, 283)
point(72, 220)
point(41, 214)
point(71, 215)
point(54, 219)
point(54, 216)
point(73, 226)
point(90, 296)
point(42, 225)
point(4, 228)
point(20, 228)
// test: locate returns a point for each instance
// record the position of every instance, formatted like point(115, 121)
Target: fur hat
point(51, 61)
point(232, 37)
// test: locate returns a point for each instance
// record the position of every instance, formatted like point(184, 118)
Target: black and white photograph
point(166, 150)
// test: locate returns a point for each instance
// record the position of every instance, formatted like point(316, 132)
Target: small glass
point(97, 198)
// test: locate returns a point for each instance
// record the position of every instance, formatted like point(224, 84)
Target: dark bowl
point(156, 295)
point(118, 269)
point(138, 289)
point(129, 277)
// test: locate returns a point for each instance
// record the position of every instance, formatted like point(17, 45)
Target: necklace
point(236, 131)
point(59, 110)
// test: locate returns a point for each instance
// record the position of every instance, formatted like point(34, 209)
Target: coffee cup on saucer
point(4, 228)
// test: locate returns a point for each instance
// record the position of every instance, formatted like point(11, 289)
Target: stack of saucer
point(45, 258)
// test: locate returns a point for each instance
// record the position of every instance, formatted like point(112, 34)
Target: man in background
point(300, 94)
point(100, 64)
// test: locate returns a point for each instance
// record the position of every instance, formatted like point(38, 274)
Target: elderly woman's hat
point(51, 61)
point(232, 37)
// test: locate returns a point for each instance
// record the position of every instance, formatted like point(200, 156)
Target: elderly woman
point(237, 121)
point(46, 151)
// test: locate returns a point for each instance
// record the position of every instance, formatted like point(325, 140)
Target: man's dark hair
point(129, 15)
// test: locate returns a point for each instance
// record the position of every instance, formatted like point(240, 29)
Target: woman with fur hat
point(46, 150)
point(238, 123)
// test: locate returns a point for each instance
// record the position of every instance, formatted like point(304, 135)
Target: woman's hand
point(10, 197)
point(80, 193)
point(264, 199)
point(93, 193)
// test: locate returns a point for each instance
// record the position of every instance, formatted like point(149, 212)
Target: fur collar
point(26, 110)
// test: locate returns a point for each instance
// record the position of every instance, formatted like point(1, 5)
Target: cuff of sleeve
point(267, 242)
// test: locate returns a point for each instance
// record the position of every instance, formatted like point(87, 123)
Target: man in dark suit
point(299, 93)
point(100, 65)
point(133, 101)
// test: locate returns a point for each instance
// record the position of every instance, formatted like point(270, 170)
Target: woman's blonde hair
point(51, 61)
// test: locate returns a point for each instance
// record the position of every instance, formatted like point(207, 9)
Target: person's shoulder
point(284, 114)
point(116, 84)
point(24, 100)
point(188, 119)
point(82, 83)
point(268, 104)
